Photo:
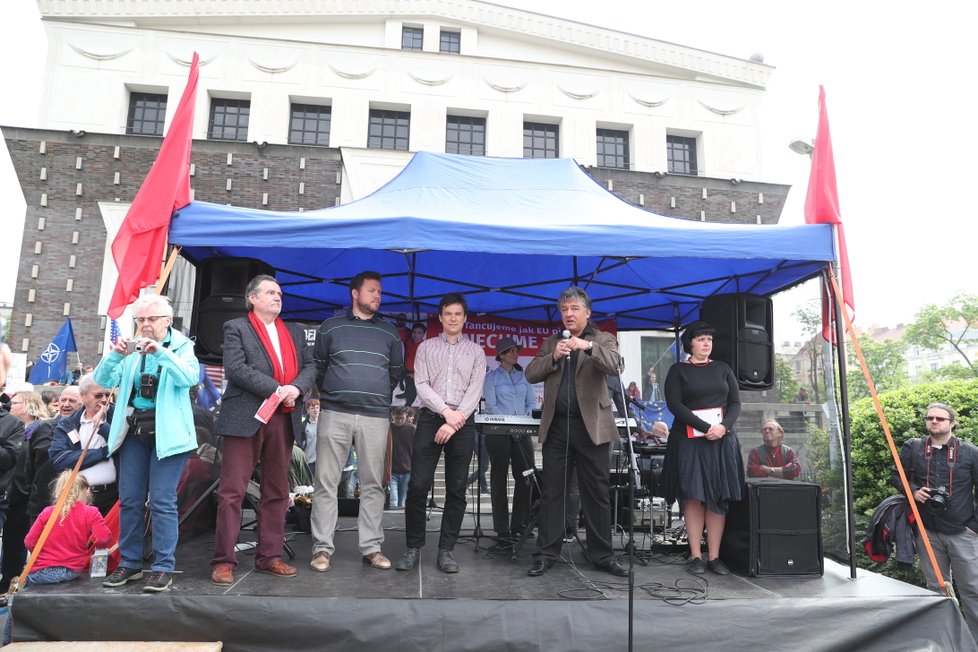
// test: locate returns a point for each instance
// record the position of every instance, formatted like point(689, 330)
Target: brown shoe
point(320, 562)
point(377, 560)
point(277, 568)
point(222, 575)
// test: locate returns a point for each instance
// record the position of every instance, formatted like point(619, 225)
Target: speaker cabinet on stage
point(775, 529)
point(744, 337)
point(219, 295)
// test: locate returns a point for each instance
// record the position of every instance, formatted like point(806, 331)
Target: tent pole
point(846, 433)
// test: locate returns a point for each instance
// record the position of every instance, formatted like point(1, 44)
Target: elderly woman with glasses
point(153, 436)
point(772, 459)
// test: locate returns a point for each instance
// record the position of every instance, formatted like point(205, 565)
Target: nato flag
point(53, 363)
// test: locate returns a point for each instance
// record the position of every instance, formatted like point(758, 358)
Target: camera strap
point(952, 459)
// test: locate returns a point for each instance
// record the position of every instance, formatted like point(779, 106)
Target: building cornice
point(704, 66)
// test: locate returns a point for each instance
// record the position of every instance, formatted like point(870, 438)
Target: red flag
point(822, 203)
point(138, 247)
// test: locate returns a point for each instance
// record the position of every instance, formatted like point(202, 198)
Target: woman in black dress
point(703, 466)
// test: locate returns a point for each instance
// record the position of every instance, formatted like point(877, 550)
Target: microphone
point(566, 335)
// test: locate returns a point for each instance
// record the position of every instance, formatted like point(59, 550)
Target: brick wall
point(102, 158)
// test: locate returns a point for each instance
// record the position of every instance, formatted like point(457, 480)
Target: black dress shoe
point(409, 560)
point(539, 567)
point(615, 568)
point(446, 563)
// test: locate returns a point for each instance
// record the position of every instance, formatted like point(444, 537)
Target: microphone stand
point(634, 479)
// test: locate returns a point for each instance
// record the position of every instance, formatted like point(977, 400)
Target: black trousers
point(568, 447)
point(424, 461)
point(506, 451)
point(15, 528)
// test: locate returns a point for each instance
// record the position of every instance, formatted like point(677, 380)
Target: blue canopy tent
point(510, 234)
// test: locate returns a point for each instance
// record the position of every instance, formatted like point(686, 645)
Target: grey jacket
point(250, 381)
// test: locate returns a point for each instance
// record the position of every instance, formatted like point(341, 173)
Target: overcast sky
point(899, 82)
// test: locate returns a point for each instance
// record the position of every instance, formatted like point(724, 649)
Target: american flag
point(216, 375)
point(114, 332)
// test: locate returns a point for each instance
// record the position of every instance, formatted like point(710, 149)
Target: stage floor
point(491, 604)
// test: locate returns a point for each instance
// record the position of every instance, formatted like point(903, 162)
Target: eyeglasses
point(937, 419)
point(152, 319)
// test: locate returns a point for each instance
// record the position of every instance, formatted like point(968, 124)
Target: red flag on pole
point(822, 203)
point(138, 247)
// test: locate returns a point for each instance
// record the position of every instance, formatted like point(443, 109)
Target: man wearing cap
point(508, 392)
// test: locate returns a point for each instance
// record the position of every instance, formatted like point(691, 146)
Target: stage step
point(115, 646)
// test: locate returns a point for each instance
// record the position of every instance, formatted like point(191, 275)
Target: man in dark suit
point(576, 430)
point(263, 356)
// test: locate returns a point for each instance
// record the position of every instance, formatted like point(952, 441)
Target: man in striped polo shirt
point(449, 371)
point(360, 359)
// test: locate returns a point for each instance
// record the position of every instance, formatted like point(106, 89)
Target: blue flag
point(208, 396)
point(53, 363)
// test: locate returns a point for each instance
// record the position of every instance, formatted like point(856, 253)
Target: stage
point(492, 605)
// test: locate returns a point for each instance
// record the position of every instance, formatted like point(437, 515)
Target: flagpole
point(167, 268)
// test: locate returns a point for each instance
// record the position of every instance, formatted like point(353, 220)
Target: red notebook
point(268, 408)
point(712, 416)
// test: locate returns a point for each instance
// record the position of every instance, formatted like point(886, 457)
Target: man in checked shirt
point(449, 371)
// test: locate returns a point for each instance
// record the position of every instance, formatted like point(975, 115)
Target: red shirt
point(67, 545)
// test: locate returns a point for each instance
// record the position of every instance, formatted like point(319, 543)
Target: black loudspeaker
point(775, 529)
point(744, 337)
point(219, 295)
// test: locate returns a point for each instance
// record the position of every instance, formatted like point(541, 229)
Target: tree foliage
point(809, 315)
point(886, 364)
point(785, 381)
point(934, 326)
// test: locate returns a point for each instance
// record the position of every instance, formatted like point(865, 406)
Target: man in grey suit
point(263, 356)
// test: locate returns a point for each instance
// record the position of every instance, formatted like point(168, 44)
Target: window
point(229, 119)
point(147, 111)
point(412, 38)
point(540, 140)
point(451, 42)
point(465, 135)
point(612, 149)
point(309, 124)
point(681, 155)
point(389, 130)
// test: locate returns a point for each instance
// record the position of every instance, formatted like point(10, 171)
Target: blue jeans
point(51, 575)
point(399, 485)
point(141, 472)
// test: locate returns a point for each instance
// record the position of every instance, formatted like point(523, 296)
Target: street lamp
point(799, 146)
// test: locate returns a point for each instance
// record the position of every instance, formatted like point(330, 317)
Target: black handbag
point(142, 423)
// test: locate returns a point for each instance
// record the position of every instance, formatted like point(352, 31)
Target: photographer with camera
point(943, 473)
point(153, 433)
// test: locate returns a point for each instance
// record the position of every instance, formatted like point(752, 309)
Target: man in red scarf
point(263, 357)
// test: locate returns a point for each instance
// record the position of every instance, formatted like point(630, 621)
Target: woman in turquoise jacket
point(153, 433)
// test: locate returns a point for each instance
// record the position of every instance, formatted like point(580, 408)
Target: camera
point(133, 346)
point(937, 503)
point(147, 386)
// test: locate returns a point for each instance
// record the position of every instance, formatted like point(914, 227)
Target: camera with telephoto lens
point(937, 503)
point(147, 386)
